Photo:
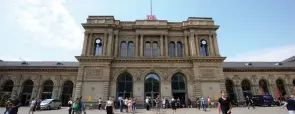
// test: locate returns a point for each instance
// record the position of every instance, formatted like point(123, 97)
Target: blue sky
point(49, 30)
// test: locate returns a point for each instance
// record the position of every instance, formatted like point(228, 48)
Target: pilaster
point(197, 42)
point(211, 49)
point(116, 45)
point(85, 44)
point(141, 45)
point(185, 46)
point(162, 45)
point(90, 45)
point(216, 44)
point(136, 45)
point(110, 44)
point(105, 40)
point(192, 45)
point(166, 46)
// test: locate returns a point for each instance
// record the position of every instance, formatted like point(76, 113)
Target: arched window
point(130, 49)
point(230, 89)
point(204, 47)
point(281, 87)
point(67, 91)
point(123, 49)
point(155, 49)
point(124, 85)
point(47, 89)
point(147, 49)
point(7, 86)
point(179, 49)
point(172, 49)
point(178, 82)
point(98, 47)
point(263, 85)
point(27, 92)
point(246, 88)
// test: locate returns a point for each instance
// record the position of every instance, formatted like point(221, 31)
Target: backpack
point(76, 107)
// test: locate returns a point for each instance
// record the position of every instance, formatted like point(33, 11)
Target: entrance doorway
point(152, 88)
point(27, 92)
point(125, 85)
point(179, 88)
point(67, 92)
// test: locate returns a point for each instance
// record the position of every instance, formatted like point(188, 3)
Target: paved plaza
point(240, 110)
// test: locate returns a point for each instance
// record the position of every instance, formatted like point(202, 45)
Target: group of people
point(201, 102)
point(129, 104)
point(12, 105)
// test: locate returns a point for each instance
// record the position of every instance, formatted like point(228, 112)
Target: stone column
point(86, 37)
point(116, 45)
point(185, 46)
point(110, 43)
point(211, 49)
point(192, 44)
point(105, 40)
point(141, 45)
point(166, 45)
point(197, 45)
point(240, 92)
point(175, 49)
point(90, 45)
point(136, 45)
point(216, 44)
point(162, 45)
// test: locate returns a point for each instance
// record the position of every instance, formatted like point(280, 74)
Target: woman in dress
point(110, 106)
point(129, 104)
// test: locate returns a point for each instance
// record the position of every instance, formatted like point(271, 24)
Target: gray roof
point(291, 59)
point(39, 64)
point(76, 64)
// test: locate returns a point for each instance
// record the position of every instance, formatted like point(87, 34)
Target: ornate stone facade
point(167, 52)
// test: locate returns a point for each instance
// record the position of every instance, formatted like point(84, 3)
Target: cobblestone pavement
point(242, 110)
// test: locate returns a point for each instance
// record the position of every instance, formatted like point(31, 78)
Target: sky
point(50, 30)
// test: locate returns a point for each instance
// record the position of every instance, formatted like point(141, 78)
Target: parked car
point(50, 104)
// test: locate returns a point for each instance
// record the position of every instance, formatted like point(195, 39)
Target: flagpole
point(151, 7)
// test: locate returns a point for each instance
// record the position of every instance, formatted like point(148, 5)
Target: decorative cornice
point(208, 59)
point(258, 69)
point(94, 58)
point(38, 69)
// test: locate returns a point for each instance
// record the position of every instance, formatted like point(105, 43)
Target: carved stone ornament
point(93, 74)
point(207, 73)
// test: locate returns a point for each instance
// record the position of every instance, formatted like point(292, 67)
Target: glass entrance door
point(152, 87)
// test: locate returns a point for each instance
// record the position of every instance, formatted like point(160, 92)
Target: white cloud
point(269, 54)
point(48, 23)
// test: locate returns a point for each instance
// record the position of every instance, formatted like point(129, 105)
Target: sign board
point(151, 17)
point(89, 98)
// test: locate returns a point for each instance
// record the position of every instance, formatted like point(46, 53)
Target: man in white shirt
point(147, 103)
point(70, 106)
point(99, 103)
point(32, 106)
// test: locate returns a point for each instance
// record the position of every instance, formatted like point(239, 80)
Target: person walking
point(158, 104)
point(209, 102)
point(147, 103)
point(7, 106)
point(16, 103)
point(198, 103)
point(173, 105)
point(33, 104)
point(99, 103)
point(224, 104)
point(250, 102)
point(121, 103)
point(290, 104)
point(203, 103)
point(110, 106)
point(133, 105)
point(70, 106)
